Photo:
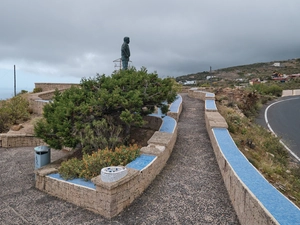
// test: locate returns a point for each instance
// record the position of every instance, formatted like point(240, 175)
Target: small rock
point(16, 127)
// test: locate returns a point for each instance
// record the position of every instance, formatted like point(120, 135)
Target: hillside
point(257, 70)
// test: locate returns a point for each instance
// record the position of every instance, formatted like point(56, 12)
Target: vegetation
point(91, 164)
point(100, 112)
point(241, 75)
point(13, 111)
point(268, 89)
point(260, 146)
point(37, 90)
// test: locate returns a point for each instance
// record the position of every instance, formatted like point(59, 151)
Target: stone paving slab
point(189, 190)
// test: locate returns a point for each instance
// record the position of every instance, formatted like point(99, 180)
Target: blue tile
point(141, 162)
point(168, 125)
point(283, 210)
point(175, 105)
point(208, 94)
point(210, 104)
point(78, 181)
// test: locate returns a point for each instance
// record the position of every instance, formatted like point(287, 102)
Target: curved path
point(189, 190)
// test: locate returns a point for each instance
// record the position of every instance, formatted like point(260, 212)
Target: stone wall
point(19, 140)
point(290, 92)
point(53, 86)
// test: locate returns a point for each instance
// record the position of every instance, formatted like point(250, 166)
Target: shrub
point(91, 164)
point(4, 118)
point(22, 92)
point(100, 112)
point(71, 169)
point(266, 89)
point(37, 90)
point(18, 108)
point(12, 111)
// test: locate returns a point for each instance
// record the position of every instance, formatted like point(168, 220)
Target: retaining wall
point(290, 92)
point(109, 199)
point(19, 140)
point(254, 199)
point(53, 86)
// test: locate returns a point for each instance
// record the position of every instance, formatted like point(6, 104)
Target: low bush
point(91, 164)
point(267, 89)
point(37, 90)
point(13, 111)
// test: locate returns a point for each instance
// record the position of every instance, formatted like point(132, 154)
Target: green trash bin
point(42, 156)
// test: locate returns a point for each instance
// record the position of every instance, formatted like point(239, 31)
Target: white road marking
point(270, 128)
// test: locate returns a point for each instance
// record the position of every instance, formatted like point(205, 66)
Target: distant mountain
point(262, 70)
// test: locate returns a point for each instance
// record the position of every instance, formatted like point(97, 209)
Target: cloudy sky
point(64, 40)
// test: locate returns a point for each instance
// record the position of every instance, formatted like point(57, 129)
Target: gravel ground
point(189, 190)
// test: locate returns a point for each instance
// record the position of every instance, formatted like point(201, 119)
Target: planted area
point(90, 165)
point(99, 115)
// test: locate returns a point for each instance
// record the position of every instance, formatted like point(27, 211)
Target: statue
point(125, 53)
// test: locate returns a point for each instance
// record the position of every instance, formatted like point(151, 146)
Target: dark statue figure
point(125, 53)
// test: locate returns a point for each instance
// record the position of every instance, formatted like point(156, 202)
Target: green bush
point(267, 89)
point(91, 164)
point(22, 92)
point(100, 112)
point(37, 90)
point(13, 111)
point(4, 118)
point(71, 169)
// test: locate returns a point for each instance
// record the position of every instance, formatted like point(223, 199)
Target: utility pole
point(15, 80)
point(210, 76)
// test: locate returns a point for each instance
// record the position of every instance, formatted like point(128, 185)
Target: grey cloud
point(82, 38)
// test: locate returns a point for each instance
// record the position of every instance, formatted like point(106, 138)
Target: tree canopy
point(101, 110)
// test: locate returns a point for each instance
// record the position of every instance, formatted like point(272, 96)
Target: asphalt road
point(283, 118)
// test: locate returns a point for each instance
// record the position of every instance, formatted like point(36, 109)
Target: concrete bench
point(210, 96)
point(175, 106)
point(141, 162)
point(210, 105)
point(169, 124)
point(255, 200)
point(77, 181)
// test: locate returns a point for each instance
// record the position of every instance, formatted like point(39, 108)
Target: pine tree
point(100, 112)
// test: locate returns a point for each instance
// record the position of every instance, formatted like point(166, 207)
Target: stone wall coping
point(174, 107)
point(50, 83)
point(210, 105)
point(142, 162)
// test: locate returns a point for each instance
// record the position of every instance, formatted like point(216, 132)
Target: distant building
point(277, 64)
point(189, 82)
point(210, 77)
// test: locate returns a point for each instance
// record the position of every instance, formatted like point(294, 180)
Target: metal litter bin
point(42, 156)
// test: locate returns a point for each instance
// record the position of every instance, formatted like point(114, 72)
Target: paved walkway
point(189, 190)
